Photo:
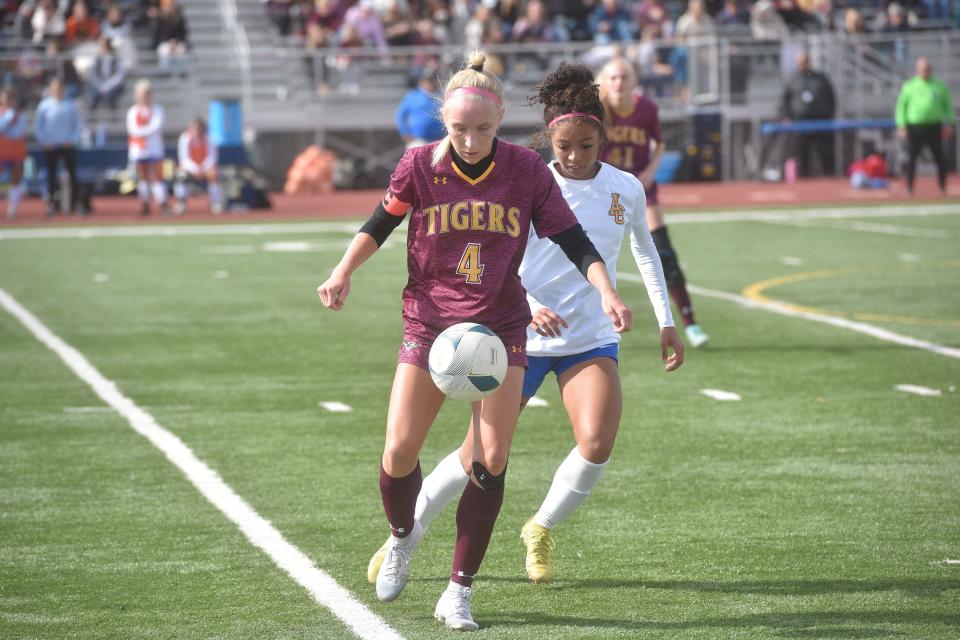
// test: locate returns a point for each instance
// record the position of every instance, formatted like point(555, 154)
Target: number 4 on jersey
point(470, 263)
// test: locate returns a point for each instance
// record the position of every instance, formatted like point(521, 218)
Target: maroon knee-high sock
point(476, 515)
point(682, 299)
point(400, 500)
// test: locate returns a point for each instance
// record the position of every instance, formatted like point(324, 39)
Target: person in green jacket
point(925, 118)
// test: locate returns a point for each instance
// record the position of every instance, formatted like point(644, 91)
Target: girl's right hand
point(547, 323)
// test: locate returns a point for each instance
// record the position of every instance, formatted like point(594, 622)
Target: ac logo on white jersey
point(617, 210)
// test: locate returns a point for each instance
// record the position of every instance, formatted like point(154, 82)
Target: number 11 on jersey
point(470, 265)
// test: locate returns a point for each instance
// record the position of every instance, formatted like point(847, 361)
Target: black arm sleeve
point(381, 224)
point(577, 245)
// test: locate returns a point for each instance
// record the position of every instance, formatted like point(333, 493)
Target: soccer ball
point(468, 361)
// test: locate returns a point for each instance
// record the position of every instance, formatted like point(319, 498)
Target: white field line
point(267, 228)
point(917, 390)
point(720, 394)
point(324, 589)
point(336, 407)
point(536, 401)
point(843, 323)
point(870, 227)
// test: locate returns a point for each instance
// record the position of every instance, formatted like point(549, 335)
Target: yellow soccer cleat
point(540, 546)
point(374, 567)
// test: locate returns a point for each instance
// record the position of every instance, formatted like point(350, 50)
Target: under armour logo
point(439, 179)
point(410, 345)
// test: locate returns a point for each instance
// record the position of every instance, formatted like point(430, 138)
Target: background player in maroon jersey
point(467, 234)
point(633, 126)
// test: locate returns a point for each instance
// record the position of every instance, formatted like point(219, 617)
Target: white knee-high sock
point(445, 482)
point(143, 190)
point(159, 189)
point(572, 483)
point(215, 194)
point(179, 190)
point(13, 198)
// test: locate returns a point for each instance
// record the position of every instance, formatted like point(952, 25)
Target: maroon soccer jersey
point(629, 136)
point(466, 238)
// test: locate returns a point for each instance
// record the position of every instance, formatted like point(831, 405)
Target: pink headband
point(575, 114)
point(477, 91)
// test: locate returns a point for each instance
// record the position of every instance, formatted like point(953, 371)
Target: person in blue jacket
point(417, 121)
point(57, 128)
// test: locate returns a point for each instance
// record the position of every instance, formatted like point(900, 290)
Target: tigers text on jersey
point(629, 135)
point(466, 237)
point(606, 206)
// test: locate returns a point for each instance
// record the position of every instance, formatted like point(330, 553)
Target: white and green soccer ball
point(468, 361)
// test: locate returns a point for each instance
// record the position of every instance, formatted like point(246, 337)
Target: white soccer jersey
point(145, 130)
point(606, 206)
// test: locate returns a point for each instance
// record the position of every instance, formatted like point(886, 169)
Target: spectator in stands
point(895, 24)
point(925, 117)
point(13, 147)
point(652, 13)
point(809, 95)
point(81, 26)
point(796, 19)
point(733, 14)
point(106, 76)
point(57, 127)
point(765, 23)
point(655, 72)
point(326, 15)
point(573, 18)
point(611, 23)
point(280, 13)
point(146, 150)
point(116, 27)
point(47, 22)
point(534, 26)
point(29, 75)
point(398, 25)
point(170, 39)
point(692, 26)
point(853, 22)
point(416, 116)
point(60, 65)
point(197, 164)
point(364, 21)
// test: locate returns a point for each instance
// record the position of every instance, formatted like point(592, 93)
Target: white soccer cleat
point(373, 567)
point(696, 336)
point(395, 570)
point(453, 608)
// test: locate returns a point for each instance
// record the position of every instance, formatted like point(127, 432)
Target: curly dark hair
point(569, 89)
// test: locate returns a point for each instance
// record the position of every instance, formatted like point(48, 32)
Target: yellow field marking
point(756, 291)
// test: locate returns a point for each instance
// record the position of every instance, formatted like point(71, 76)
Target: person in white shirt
point(197, 163)
point(146, 150)
point(570, 334)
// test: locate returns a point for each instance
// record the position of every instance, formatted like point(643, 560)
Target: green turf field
point(823, 504)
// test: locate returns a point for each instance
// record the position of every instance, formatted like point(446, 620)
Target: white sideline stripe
point(917, 390)
point(720, 394)
point(949, 561)
point(324, 589)
point(336, 407)
point(225, 229)
point(537, 402)
point(843, 323)
point(871, 227)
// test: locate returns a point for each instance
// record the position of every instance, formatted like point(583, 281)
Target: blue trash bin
point(226, 122)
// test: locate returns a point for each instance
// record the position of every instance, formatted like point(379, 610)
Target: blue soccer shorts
point(539, 366)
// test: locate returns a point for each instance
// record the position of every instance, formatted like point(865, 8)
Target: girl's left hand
point(670, 339)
